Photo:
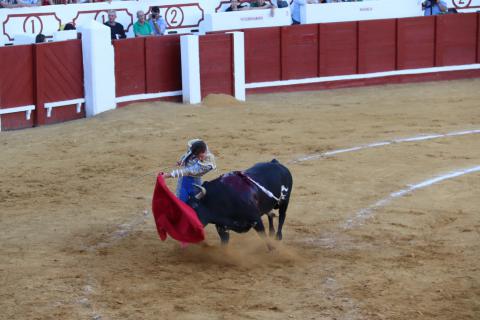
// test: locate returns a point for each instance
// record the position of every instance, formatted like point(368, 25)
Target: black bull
point(237, 200)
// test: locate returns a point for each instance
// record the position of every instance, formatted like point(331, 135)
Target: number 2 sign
point(461, 4)
point(182, 15)
point(174, 16)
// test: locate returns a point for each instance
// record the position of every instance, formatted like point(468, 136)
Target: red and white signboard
point(187, 16)
point(246, 19)
point(181, 16)
point(364, 10)
point(26, 23)
point(464, 5)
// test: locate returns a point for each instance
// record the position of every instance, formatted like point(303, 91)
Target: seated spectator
point(53, 2)
point(8, 4)
point(40, 38)
point(29, 3)
point(297, 4)
point(69, 26)
point(260, 4)
point(141, 28)
point(116, 28)
point(157, 23)
point(235, 5)
point(19, 3)
point(434, 7)
point(282, 4)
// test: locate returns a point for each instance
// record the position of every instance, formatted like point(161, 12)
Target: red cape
point(174, 217)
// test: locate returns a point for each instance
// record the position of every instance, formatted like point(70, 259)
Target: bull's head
point(195, 202)
point(202, 193)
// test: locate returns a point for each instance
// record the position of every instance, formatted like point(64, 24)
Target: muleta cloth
point(174, 217)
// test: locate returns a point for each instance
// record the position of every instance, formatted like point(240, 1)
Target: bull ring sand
point(78, 241)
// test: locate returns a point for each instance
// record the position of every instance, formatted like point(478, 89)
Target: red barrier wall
point(36, 74)
point(376, 45)
point(299, 51)
point(130, 75)
point(163, 65)
point(338, 48)
point(263, 54)
point(216, 64)
point(59, 67)
point(416, 43)
point(456, 39)
point(16, 85)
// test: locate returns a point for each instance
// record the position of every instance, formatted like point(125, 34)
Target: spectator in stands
point(235, 5)
point(297, 4)
point(281, 4)
point(434, 7)
point(141, 28)
point(157, 23)
point(116, 28)
point(40, 38)
point(19, 3)
point(54, 2)
point(69, 26)
point(29, 3)
point(260, 4)
point(8, 4)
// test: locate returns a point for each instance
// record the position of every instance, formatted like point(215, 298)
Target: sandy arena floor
point(78, 241)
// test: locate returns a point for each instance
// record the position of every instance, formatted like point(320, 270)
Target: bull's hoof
point(270, 247)
point(278, 236)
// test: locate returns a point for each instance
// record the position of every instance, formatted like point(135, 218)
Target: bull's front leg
point(223, 233)
point(260, 228)
point(271, 228)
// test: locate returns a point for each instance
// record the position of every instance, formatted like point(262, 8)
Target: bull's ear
point(202, 192)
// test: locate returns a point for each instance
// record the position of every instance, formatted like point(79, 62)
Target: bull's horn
point(202, 192)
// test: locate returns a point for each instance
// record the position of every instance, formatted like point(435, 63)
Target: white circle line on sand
point(367, 212)
point(384, 143)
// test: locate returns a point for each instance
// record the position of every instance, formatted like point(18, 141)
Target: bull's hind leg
point(271, 227)
point(282, 213)
point(223, 233)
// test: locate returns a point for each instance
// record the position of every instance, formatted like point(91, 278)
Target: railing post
point(98, 68)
